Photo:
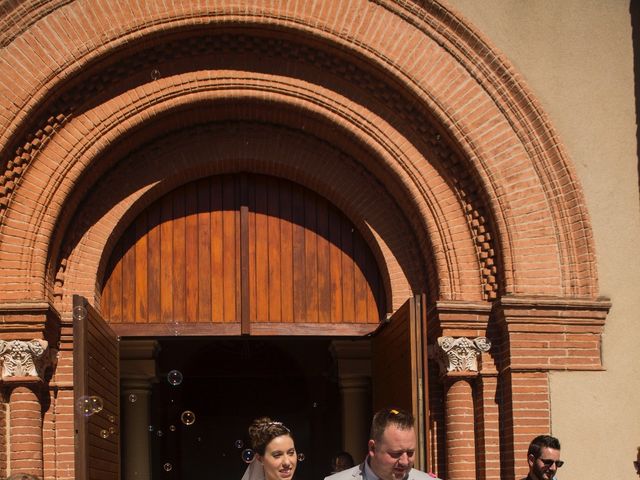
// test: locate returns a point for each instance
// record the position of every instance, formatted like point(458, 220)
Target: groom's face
point(392, 456)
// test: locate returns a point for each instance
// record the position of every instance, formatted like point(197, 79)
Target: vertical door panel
point(96, 384)
point(399, 366)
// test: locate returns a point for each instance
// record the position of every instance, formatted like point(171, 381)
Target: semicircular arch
point(521, 179)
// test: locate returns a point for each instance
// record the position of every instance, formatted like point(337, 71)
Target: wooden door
point(399, 367)
point(96, 377)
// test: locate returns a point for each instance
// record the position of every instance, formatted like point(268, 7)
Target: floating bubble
point(248, 455)
point(83, 406)
point(89, 405)
point(172, 428)
point(112, 430)
point(79, 312)
point(315, 404)
point(174, 377)
point(199, 439)
point(301, 457)
point(151, 429)
point(96, 404)
point(239, 444)
point(104, 434)
point(159, 433)
point(155, 74)
point(189, 418)
point(112, 418)
point(167, 467)
point(133, 398)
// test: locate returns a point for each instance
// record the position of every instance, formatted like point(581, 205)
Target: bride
point(276, 456)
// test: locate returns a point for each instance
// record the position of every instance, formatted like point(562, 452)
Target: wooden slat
point(360, 287)
point(179, 258)
point(204, 251)
point(191, 254)
point(251, 239)
point(230, 249)
point(217, 251)
point(347, 277)
point(274, 250)
point(335, 266)
point(286, 253)
point(114, 299)
point(245, 320)
point(141, 254)
point(153, 263)
point(128, 276)
point(323, 262)
point(298, 264)
point(311, 258)
point(166, 256)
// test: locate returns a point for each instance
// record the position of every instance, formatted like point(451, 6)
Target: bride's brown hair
point(263, 430)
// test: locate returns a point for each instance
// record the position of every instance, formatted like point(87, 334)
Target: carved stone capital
point(459, 354)
point(21, 358)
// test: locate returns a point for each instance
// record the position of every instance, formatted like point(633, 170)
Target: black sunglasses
point(548, 462)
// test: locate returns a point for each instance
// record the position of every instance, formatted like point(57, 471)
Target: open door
point(96, 395)
point(399, 367)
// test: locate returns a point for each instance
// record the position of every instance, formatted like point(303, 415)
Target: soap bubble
point(79, 312)
point(155, 74)
point(159, 433)
point(188, 417)
point(104, 434)
point(174, 377)
point(167, 467)
point(133, 398)
point(248, 455)
point(96, 404)
point(301, 457)
point(172, 428)
point(112, 418)
point(239, 444)
point(88, 405)
point(112, 430)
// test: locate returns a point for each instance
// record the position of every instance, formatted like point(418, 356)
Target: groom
point(391, 449)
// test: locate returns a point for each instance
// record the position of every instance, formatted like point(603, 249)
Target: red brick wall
point(429, 143)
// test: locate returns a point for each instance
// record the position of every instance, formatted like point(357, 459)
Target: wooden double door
point(398, 377)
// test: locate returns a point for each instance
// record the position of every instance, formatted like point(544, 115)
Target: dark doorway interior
point(226, 383)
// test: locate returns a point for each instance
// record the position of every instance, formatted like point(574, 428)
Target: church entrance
point(199, 416)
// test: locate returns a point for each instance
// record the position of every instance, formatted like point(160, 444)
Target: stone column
point(23, 365)
point(458, 360)
point(354, 372)
point(137, 374)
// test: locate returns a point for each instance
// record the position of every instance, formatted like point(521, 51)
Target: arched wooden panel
point(180, 261)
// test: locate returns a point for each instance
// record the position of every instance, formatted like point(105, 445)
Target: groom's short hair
point(390, 416)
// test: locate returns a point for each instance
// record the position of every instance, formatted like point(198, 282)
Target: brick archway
point(430, 145)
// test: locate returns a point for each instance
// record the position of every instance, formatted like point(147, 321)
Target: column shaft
point(25, 427)
point(460, 433)
point(356, 398)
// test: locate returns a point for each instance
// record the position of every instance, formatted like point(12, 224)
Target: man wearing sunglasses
point(544, 458)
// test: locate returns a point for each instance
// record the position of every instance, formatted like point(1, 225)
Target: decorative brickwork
point(430, 144)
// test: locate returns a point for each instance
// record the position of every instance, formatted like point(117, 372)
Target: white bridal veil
point(255, 471)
